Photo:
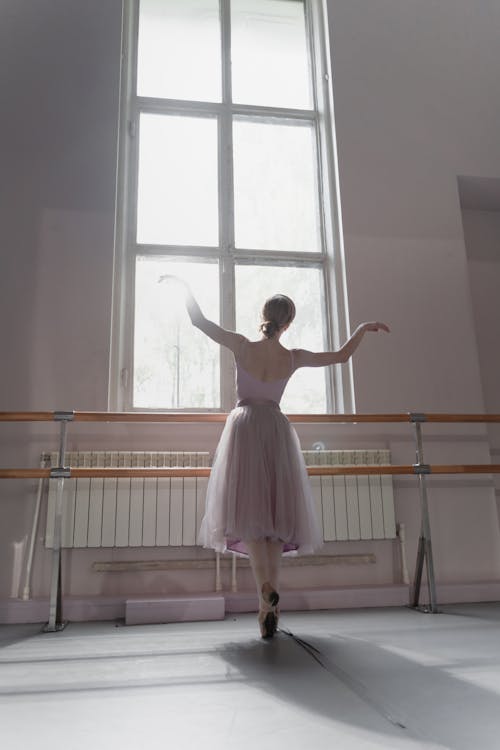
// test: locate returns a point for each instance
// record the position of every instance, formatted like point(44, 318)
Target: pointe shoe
point(268, 623)
point(269, 612)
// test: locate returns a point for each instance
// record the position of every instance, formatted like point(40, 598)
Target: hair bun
point(269, 328)
point(277, 313)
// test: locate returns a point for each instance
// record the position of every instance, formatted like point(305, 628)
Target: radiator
point(163, 512)
point(167, 512)
point(353, 507)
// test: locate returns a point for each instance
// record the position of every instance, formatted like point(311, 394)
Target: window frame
point(339, 388)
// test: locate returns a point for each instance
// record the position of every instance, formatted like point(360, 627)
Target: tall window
point(228, 186)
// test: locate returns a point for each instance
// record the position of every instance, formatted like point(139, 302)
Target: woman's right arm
point(230, 339)
point(304, 358)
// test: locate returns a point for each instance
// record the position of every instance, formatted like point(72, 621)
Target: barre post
point(424, 549)
point(55, 621)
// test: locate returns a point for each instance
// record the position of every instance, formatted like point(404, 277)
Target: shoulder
point(240, 343)
point(301, 357)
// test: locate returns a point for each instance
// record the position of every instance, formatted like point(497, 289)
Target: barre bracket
point(60, 472)
point(417, 417)
point(64, 416)
point(422, 469)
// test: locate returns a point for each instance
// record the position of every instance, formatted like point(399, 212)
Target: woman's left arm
point(304, 358)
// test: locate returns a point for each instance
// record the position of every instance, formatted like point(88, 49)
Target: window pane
point(179, 50)
point(175, 365)
point(306, 391)
point(269, 57)
point(177, 190)
point(275, 187)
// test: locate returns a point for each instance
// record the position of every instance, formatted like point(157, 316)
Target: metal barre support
point(424, 550)
point(55, 621)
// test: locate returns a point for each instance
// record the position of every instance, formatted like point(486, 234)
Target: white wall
point(415, 102)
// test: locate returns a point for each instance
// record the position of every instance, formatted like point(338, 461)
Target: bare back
point(265, 360)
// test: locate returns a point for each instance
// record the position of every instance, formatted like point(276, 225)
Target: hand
point(167, 277)
point(375, 326)
point(171, 277)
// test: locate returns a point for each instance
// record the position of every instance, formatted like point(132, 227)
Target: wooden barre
point(181, 417)
point(186, 472)
point(27, 416)
point(221, 417)
point(466, 418)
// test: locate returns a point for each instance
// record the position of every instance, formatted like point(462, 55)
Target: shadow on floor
point(368, 685)
point(10, 634)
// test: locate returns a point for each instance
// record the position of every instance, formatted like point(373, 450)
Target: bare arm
point(303, 358)
point(222, 336)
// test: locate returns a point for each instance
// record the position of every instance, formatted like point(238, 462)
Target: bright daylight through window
point(227, 189)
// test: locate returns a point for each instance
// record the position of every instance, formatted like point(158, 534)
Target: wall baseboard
point(203, 606)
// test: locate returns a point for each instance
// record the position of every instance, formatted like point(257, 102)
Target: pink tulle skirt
point(259, 487)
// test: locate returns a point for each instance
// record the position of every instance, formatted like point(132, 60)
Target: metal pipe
point(234, 581)
point(405, 576)
point(55, 602)
point(26, 595)
point(218, 584)
point(424, 550)
point(55, 621)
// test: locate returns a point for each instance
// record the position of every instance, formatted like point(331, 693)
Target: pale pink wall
point(414, 109)
point(59, 84)
point(413, 87)
point(482, 239)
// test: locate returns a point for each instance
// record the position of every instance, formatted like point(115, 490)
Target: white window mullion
point(226, 210)
point(226, 229)
point(120, 366)
point(281, 113)
point(341, 392)
point(127, 373)
point(178, 251)
point(278, 256)
point(176, 106)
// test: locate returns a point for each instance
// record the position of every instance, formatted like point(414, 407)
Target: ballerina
point(259, 500)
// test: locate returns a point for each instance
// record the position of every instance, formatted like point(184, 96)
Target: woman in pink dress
point(259, 500)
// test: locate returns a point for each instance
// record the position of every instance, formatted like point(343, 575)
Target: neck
point(275, 339)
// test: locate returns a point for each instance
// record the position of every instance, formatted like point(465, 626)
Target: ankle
point(269, 595)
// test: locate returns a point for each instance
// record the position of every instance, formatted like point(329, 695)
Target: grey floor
point(388, 678)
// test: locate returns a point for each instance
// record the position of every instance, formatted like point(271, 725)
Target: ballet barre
point(181, 417)
point(420, 469)
point(188, 472)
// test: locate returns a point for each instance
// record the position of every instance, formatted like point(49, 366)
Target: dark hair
point(278, 311)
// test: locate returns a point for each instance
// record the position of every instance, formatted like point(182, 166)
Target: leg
point(274, 552)
point(265, 566)
point(257, 552)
